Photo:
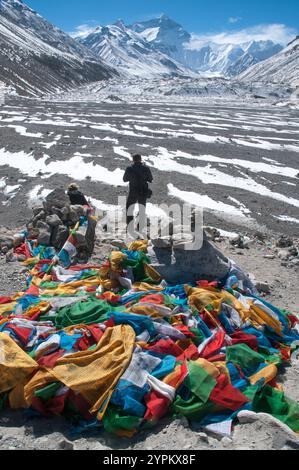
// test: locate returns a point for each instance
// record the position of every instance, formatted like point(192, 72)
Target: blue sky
point(276, 19)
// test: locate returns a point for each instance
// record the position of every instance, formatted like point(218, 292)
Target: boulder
point(56, 198)
point(80, 211)
point(6, 243)
point(226, 442)
point(10, 257)
point(18, 239)
point(294, 262)
point(262, 287)
point(74, 216)
point(59, 236)
point(33, 233)
point(37, 208)
point(281, 434)
point(284, 255)
point(239, 242)
point(178, 266)
point(212, 233)
point(293, 251)
point(53, 220)
point(284, 242)
point(39, 216)
point(44, 238)
point(4, 249)
point(63, 213)
point(42, 226)
point(65, 445)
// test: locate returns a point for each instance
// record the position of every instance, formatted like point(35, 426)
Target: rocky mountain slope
point(36, 57)
point(282, 68)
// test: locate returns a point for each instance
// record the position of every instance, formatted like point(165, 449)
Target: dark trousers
point(134, 198)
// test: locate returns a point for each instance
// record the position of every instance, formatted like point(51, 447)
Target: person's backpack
point(149, 193)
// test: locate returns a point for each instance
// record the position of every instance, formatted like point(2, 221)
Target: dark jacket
point(138, 175)
point(77, 198)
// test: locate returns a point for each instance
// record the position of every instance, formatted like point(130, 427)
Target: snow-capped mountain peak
point(131, 53)
point(120, 24)
point(164, 32)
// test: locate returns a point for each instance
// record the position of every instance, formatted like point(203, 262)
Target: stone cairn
point(50, 225)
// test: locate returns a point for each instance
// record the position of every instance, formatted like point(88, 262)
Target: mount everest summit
point(131, 53)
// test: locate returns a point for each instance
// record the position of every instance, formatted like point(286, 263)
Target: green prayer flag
point(244, 356)
point(200, 382)
point(88, 313)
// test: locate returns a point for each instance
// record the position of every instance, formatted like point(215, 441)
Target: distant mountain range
point(37, 58)
point(141, 42)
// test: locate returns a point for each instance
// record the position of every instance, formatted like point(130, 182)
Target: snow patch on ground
point(205, 202)
point(23, 131)
point(38, 193)
point(165, 162)
point(285, 218)
point(75, 167)
point(256, 167)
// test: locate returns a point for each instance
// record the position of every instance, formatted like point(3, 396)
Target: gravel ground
point(245, 160)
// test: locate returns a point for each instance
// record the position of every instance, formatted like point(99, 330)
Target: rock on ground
point(258, 432)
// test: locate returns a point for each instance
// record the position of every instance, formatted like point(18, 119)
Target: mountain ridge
point(168, 37)
point(129, 52)
point(36, 57)
point(281, 68)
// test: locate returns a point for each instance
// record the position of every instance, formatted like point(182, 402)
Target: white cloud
point(278, 33)
point(234, 19)
point(83, 29)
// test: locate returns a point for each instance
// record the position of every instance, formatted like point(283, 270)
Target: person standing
point(138, 175)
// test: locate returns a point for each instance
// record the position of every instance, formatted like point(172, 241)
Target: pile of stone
point(50, 225)
point(287, 250)
point(240, 241)
point(8, 241)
